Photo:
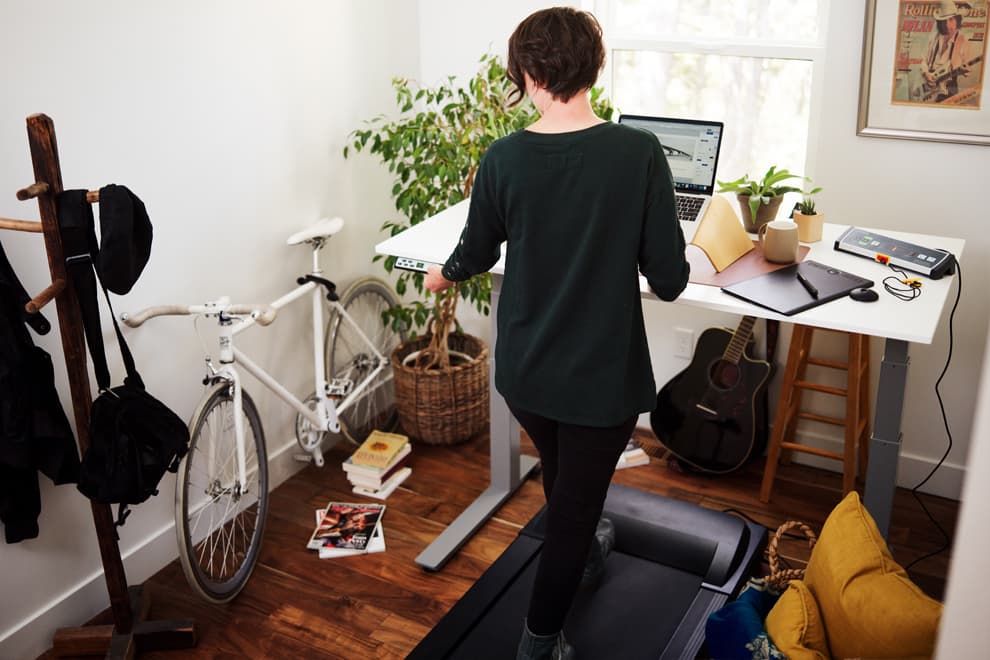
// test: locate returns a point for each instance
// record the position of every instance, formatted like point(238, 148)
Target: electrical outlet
point(683, 343)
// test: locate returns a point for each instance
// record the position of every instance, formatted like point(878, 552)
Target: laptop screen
point(691, 147)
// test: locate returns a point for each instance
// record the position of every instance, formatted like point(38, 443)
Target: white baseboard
point(911, 468)
point(81, 602)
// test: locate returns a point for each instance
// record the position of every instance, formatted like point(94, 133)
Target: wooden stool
point(856, 421)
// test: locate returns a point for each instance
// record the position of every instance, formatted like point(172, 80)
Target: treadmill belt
point(673, 564)
point(618, 620)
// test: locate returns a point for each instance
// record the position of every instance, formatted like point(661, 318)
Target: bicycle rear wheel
point(349, 356)
point(220, 522)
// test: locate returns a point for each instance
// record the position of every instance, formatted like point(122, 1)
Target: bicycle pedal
point(339, 387)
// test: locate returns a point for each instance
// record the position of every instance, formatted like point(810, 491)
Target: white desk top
point(434, 239)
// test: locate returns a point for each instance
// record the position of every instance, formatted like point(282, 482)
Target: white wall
point(228, 119)
point(964, 633)
point(887, 184)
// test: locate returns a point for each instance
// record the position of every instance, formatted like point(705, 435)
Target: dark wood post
point(128, 633)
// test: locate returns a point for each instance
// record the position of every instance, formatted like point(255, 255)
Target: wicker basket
point(779, 577)
point(442, 406)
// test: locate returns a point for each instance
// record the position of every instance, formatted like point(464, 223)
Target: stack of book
point(344, 529)
point(379, 465)
point(632, 455)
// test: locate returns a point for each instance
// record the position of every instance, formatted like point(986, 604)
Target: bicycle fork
point(229, 374)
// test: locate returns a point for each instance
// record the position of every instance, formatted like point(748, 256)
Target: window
point(752, 64)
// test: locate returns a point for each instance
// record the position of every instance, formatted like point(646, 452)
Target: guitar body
point(712, 415)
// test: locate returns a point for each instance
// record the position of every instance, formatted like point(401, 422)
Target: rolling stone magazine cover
point(941, 46)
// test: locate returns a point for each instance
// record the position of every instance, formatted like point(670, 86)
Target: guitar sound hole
point(723, 375)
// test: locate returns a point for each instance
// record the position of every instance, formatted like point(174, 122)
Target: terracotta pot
point(764, 214)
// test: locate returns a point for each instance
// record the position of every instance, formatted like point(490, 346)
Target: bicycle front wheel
point(220, 521)
point(349, 356)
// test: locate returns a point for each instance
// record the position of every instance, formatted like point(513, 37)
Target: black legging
point(577, 463)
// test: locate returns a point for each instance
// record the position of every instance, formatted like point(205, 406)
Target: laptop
point(692, 147)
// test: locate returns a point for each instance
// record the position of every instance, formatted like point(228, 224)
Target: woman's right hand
point(435, 281)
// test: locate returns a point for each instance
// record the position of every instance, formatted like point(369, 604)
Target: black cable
point(948, 433)
point(901, 287)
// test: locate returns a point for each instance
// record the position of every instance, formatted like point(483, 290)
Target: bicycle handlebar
point(262, 314)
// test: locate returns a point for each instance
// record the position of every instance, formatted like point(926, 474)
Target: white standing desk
point(898, 322)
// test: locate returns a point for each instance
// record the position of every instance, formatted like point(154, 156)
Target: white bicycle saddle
point(325, 228)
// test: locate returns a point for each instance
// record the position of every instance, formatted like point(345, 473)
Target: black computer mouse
point(864, 295)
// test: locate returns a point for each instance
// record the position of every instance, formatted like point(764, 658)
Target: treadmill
point(674, 564)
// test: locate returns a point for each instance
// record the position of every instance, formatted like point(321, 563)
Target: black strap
point(75, 218)
point(122, 512)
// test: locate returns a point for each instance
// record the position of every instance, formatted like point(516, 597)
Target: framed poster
point(923, 71)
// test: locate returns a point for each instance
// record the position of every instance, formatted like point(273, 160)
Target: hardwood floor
point(381, 605)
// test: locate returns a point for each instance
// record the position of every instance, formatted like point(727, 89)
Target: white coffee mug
point(779, 241)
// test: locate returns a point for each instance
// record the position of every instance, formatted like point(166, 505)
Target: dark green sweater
point(582, 213)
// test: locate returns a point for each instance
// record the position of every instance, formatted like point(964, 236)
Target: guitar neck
point(950, 73)
point(736, 347)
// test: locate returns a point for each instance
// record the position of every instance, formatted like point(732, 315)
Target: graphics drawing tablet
point(782, 292)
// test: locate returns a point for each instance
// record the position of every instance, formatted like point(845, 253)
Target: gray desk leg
point(508, 469)
point(885, 443)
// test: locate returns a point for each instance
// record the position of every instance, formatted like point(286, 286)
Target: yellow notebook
point(379, 449)
point(720, 234)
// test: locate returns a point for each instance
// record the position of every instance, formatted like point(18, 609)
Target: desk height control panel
point(928, 261)
point(411, 264)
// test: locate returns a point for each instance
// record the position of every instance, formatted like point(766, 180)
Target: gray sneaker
point(601, 545)
point(543, 647)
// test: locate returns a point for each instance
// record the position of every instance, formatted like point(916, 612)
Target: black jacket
point(34, 432)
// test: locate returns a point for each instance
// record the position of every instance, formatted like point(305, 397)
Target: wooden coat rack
point(130, 633)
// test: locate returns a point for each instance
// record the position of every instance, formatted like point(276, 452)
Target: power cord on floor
point(947, 542)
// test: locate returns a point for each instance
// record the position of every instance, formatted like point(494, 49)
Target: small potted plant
point(759, 199)
point(809, 219)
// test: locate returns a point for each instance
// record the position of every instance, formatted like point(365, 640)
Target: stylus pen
point(807, 285)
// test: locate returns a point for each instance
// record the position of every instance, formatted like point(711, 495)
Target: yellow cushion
point(868, 604)
point(795, 624)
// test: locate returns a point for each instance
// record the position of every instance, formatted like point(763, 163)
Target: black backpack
point(134, 439)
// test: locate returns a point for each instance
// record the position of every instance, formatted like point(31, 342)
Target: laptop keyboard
point(688, 207)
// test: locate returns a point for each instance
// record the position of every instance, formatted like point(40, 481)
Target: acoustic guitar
point(711, 415)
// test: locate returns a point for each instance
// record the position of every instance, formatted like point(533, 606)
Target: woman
point(584, 205)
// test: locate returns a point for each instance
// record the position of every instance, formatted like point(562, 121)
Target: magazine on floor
point(376, 544)
point(347, 526)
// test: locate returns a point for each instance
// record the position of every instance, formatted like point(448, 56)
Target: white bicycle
point(221, 497)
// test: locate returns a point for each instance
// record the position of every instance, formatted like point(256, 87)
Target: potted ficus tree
point(433, 147)
point(759, 199)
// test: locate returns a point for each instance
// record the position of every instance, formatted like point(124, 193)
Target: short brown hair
point(560, 48)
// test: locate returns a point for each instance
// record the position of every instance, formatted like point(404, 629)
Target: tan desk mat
point(749, 265)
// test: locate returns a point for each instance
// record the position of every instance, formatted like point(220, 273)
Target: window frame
point(813, 52)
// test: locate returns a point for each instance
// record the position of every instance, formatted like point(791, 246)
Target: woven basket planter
point(442, 406)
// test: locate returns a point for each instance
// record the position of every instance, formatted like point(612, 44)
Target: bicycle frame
point(325, 416)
